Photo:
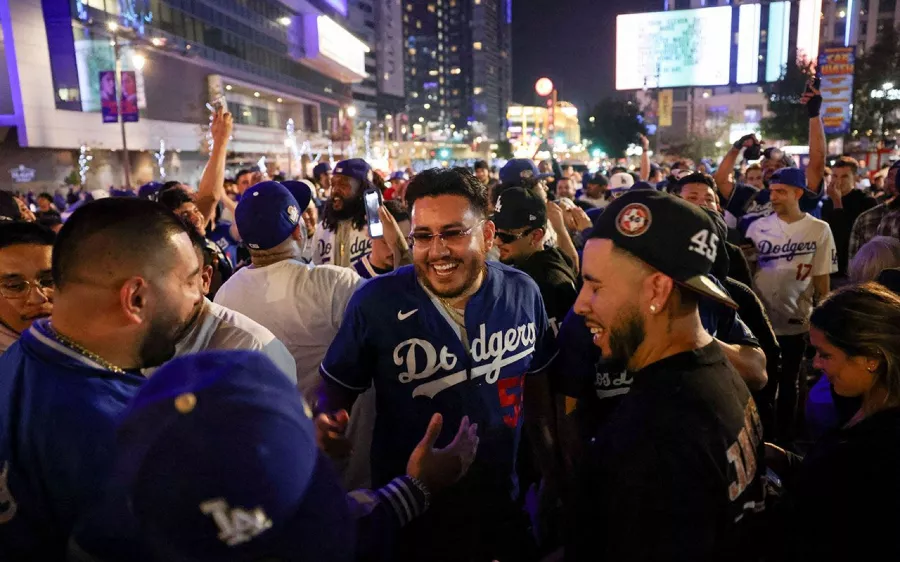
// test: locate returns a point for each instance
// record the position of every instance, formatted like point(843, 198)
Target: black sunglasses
point(508, 238)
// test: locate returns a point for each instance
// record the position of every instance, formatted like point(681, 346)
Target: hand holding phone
point(812, 97)
point(372, 199)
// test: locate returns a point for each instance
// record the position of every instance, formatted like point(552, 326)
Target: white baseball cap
point(621, 181)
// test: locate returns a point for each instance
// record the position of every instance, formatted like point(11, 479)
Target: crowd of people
point(680, 362)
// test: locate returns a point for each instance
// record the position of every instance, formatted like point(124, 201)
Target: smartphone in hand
point(372, 198)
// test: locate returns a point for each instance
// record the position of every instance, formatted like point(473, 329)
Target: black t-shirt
point(676, 472)
point(841, 222)
point(556, 279)
point(845, 494)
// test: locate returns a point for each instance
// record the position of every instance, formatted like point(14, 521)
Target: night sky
point(573, 42)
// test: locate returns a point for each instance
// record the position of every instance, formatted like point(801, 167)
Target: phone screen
point(373, 201)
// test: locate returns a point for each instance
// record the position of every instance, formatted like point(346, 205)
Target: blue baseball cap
point(217, 460)
point(321, 168)
point(302, 191)
point(267, 215)
point(519, 169)
point(149, 190)
point(399, 176)
point(793, 177)
point(355, 168)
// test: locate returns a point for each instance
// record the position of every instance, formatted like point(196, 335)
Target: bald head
point(115, 238)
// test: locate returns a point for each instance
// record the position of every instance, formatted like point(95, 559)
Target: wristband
point(422, 488)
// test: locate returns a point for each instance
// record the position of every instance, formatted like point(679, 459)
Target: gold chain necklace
point(89, 354)
point(452, 311)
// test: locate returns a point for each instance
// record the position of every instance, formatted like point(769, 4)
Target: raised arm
point(211, 188)
point(645, 158)
point(726, 168)
point(815, 170)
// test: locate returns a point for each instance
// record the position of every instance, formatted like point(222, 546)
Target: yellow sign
point(665, 108)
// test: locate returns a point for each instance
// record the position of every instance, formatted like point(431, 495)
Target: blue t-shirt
point(58, 412)
point(396, 336)
point(584, 374)
point(221, 235)
point(748, 204)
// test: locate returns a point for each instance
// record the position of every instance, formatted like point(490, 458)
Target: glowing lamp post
point(545, 88)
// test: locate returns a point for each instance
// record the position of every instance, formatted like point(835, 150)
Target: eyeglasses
point(508, 238)
point(20, 288)
point(448, 237)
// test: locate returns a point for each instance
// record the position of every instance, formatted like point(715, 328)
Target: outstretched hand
point(439, 468)
point(812, 99)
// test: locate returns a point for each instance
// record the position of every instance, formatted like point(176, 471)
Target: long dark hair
point(864, 321)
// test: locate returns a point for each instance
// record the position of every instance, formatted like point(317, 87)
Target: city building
point(529, 124)
point(768, 35)
point(458, 67)
point(857, 22)
point(270, 61)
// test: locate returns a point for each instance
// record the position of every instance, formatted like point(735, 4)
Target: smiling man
point(342, 238)
point(454, 335)
point(676, 471)
point(26, 280)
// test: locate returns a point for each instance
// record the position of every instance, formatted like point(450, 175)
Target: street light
point(138, 60)
point(351, 111)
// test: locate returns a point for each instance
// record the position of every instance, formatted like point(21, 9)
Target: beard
point(349, 208)
point(162, 337)
point(626, 335)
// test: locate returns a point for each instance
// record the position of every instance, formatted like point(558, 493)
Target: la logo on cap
point(526, 174)
point(293, 214)
point(498, 205)
point(633, 220)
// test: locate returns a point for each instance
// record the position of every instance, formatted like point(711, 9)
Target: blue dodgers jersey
point(583, 372)
point(58, 412)
point(395, 336)
point(221, 235)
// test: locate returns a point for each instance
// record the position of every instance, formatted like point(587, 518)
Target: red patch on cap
point(633, 220)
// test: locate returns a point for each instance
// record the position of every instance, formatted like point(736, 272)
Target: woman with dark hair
point(843, 496)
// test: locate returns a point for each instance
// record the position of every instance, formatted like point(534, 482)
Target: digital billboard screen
point(681, 47)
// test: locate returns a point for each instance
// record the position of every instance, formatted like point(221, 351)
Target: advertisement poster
point(836, 66)
point(129, 97)
point(665, 108)
point(109, 107)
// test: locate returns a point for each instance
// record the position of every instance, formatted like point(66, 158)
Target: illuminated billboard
point(332, 50)
point(749, 18)
point(681, 48)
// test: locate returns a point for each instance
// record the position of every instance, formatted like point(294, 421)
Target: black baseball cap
point(517, 208)
point(675, 237)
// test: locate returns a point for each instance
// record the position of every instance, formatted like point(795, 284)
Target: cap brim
point(705, 286)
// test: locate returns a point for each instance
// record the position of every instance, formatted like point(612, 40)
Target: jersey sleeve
point(825, 260)
point(575, 368)
point(348, 360)
point(545, 350)
point(736, 332)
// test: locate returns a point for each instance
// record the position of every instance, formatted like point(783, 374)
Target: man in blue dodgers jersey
point(744, 204)
point(216, 459)
point(456, 335)
point(342, 238)
point(127, 285)
point(676, 472)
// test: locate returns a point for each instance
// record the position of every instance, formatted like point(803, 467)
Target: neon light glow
point(779, 36)
point(847, 30)
point(748, 43)
point(808, 29)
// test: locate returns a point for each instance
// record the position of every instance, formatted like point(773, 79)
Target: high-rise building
point(858, 22)
point(271, 60)
point(458, 67)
